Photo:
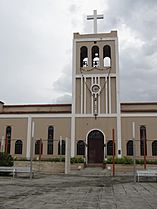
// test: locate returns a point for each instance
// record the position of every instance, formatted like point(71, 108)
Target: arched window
point(18, 147)
point(83, 56)
point(8, 139)
point(95, 56)
point(107, 56)
point(80, 147)
point(154, 148)
point(50, 140)
point(143, 140)
point(110, 147)
point(38, 147)
point(130, 148)
point(61, 148)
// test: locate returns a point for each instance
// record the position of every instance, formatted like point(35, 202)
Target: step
point(95, 165)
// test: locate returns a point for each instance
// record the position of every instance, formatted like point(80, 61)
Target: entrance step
point(95, 165)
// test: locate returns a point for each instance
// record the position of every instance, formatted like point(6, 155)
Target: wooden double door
point(95, 147)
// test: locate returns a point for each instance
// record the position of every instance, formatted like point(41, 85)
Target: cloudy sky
point(36, 47)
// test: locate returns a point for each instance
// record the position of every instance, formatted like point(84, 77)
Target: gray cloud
point(32, 49)
point(36, 41)
point(138, 65)
point(64, 83)
point(65, 98)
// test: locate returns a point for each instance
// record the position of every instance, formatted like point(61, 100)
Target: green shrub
point(55, 159)
point(152, 161)
point(6, 159)
point(109, 160)
point(76, 160)
point(123, 160)
point(128, 160)
point(141, 161)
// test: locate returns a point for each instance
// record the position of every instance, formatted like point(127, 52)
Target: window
point(154, 148)
point(95, 56)
point(8, 139)
point(107, 56)
point(83, 57)
point(110, 147)
point(130, 148)
point(50, 140)
point(38, 147)
point(61, 148)
point(18, 147)
point(80, 147)
point(143, 140)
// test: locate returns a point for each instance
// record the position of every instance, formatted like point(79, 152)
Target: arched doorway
point(95, 143)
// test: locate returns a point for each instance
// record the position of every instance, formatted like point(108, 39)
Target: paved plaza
point(80, 190)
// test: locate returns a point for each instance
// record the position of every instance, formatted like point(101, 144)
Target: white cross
point(95, 17)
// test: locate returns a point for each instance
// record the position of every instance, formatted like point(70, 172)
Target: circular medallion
point(95, 88)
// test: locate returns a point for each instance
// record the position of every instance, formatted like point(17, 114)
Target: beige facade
point(89, 121)
point(20, 119)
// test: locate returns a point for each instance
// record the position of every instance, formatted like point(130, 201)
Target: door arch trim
point(86, 150)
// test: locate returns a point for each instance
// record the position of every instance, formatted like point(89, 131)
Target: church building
point(89, 121)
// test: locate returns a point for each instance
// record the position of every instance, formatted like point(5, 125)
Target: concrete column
point(72, 136)
point(101, 57)
point(29, 124)
point(60, 140)
point(67, 156)
point(3, 144)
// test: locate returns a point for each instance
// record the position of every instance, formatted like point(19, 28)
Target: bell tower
point(96, 80)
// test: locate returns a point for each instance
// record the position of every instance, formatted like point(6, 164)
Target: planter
point(48, 167)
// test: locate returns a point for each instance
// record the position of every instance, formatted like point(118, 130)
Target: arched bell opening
point(83, 56)
point(107, 56)
point(95, 56)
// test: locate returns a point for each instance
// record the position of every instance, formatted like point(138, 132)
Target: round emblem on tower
point(95, 88)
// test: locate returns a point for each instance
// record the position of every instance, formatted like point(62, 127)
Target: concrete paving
point(87, 189)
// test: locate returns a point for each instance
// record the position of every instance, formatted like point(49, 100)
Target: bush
point(77, 160)
point(152, 161)
point(128, 160)
point(62, 159)
point(141, 162)
point(6, 159)
point(123, 160)
point(55, 159)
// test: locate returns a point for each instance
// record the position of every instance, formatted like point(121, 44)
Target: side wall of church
point(149, 122)
point(19, 131)
point(62, 129)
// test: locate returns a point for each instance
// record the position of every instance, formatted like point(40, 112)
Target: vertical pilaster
point(3, 144)
point(29, 125)
point(82, 99)
point(73, 100)
point(106, 95)
point(67, 156)
point(85, 95)
point(109, 99)
point(119, 146)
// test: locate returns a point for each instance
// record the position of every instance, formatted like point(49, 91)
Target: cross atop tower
point(95, 17)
